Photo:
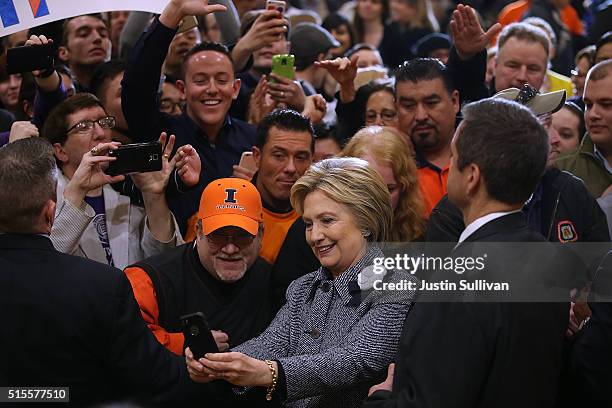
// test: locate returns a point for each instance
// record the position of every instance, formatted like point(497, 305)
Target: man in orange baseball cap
point(219, 274)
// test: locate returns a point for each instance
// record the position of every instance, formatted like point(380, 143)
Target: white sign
point(17, 15)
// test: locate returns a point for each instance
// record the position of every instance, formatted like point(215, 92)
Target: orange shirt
point(276, 226)
point(145, 295)
point(432, 182)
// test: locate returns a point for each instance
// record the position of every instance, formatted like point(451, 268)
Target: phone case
point(29, 58)
point(282, 65)
point(197, 334)
point(135, 158)
point(276, 5)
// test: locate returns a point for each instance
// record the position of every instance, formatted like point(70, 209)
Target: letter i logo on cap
point(230, 195)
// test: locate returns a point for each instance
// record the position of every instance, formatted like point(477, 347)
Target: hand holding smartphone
point(283, 66)
point(29, 58)
point(198, 336)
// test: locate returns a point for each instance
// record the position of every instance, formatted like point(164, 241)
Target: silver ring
point(282, 94)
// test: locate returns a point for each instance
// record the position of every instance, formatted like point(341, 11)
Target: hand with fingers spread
point(468, 36)
point(46, 81)
point(261, 103)
point(90, 175)
point(344, 71)
point(22, 129)
point(287, 91)
point(386, 385)
point(315, 108)
point(268, 27)
point(177, 9)
point(155, 182)
point(188, 165)
point(235, 368)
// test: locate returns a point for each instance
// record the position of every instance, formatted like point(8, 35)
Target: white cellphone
point(277, 5)
point(247, 161)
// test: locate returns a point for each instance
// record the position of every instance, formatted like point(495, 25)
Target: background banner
point(17, 15)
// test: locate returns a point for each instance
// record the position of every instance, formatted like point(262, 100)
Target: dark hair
point(324, 131)
point(68, 20)
point(104, 74)
point(425, 69)
point(358, 47)
point(334, 21)
point(358, 22)
point(28, 176)
point(603, 40)
point(205, 46)
point(507, 143)
point(56, 125)
point(284, 119)
point(27, 93)
point(578, 111)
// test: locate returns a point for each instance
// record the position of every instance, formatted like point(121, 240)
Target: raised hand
point(188, 165)
point(342, 70)
point(177, 9)
point(155, 182)
point(22, 129)
point(51, 82)
point(315, 108)
point(260, 104)
point(469, 37)
point(90, 175)
point(287, 91)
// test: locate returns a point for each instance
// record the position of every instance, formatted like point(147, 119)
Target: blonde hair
point(424, 17)
point(388, 146)
point(353, 183)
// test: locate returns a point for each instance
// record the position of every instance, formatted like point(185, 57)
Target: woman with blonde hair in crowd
point(411, 21)
point(387, 150)
point(335, 336)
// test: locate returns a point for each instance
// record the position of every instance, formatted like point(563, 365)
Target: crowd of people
point(413, 122)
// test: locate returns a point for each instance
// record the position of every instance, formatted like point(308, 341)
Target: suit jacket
point(68, 321)
point(129, 236)
point(460, 354)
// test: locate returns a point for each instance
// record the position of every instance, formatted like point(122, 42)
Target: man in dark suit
point(68, 321)
point(486, 354)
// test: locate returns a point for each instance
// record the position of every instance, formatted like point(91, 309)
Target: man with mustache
point(219, 274)
point(427, 106)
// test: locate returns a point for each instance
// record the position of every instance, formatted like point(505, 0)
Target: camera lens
point(194, 330)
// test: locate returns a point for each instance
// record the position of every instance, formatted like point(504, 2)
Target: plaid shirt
point(332, 340)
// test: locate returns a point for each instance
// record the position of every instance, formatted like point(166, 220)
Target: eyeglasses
point(526, 94)
point(386, 115)
point(169, 106)
point(221, 240)
point(577, 73)
point(84, 126)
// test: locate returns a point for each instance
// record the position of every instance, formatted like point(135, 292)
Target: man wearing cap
point(561, 208)
point(219, 274)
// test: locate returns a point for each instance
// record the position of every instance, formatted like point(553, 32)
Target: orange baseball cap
point(230, 202)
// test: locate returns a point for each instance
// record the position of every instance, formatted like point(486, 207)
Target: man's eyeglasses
point(84, 126)
point(577, 73)
point(169, 106)
point(386, 115)
point(221, 240)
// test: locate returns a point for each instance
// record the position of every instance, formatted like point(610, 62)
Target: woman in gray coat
point(335, 336)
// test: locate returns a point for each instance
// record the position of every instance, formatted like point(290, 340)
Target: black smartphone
point(29, 58)
point(198, 336)
point(135, 158)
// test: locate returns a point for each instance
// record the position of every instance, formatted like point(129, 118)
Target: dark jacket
point(72, 322)
point(480, 354)
point(564, 199)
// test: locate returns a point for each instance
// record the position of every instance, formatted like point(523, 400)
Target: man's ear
point(180, 84)
point(474, 179)
point(63, 53)
point(49, 214)
point(60, 153)
point(455, 99)
point(257, 156)
point(236, 89)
